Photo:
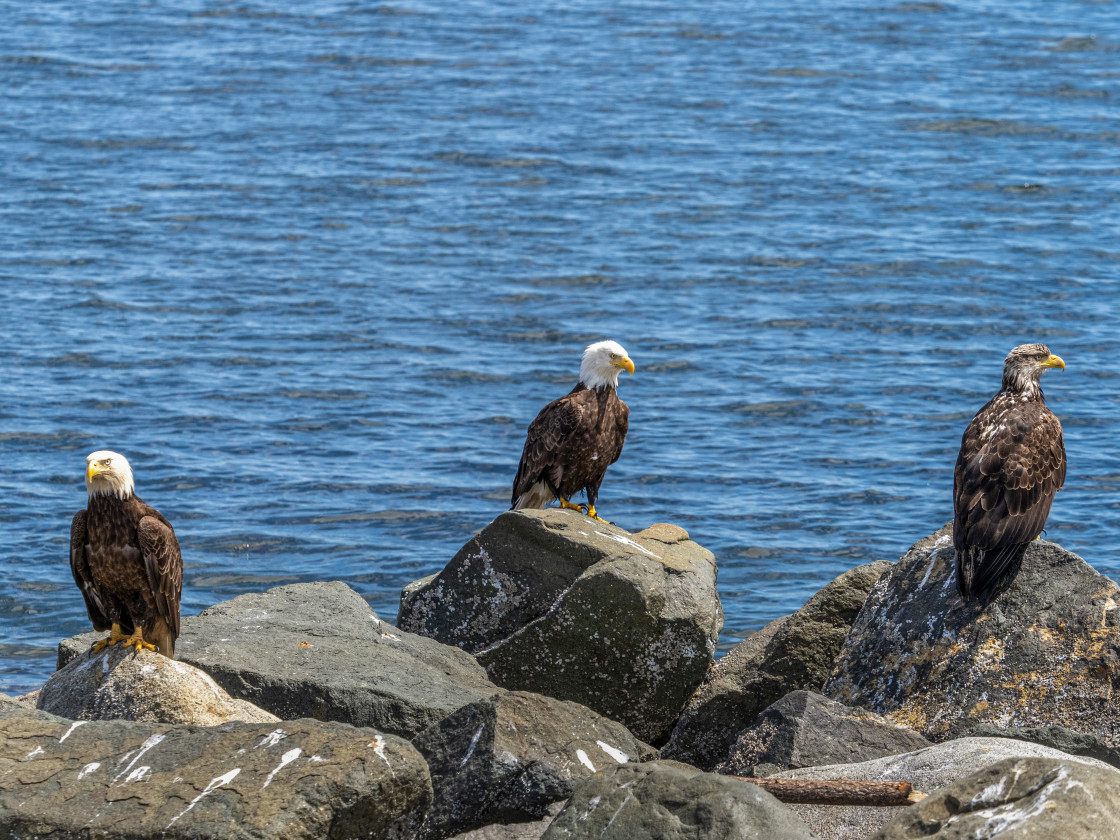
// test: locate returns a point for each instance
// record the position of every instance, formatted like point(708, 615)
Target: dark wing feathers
point(164, 564)
point(79, 566)
point(623, 426)
point(547, 434)
point(1003, 487)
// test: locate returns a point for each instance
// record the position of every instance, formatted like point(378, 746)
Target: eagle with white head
point(126, 560)
point(575, 438)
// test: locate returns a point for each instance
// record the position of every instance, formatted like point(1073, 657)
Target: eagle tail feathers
point(981, 571)
point(537, 497)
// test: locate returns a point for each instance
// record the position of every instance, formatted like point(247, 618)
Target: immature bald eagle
point(1012, 462)
point(126, 560)
point(575, 438)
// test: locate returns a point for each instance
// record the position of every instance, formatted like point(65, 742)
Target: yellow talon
point(564, 503)
point(591, 512)
point(136, 640)
point(115, 635)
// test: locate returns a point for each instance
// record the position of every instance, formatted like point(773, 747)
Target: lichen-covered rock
point(804, 729)
point(300, 780)
point(317, 650)
point(559, 604)
point(510, 758)
point(665, 800)
point(793, 652)
point(1018, 799)
point(120, 683)
point(1045, 652)
point(928, 770)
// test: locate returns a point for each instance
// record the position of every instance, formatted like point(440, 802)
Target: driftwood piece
point(838, 791)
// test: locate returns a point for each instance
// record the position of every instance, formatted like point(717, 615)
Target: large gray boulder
point(559, 604)
point(804, 729)
point(1018, 799)
point(1045, 652)
point(510, 758)
point(300, 780)
point(317, 650)
point(665, 800)
point(793, 652)
point(147, 686)
point(928, 770)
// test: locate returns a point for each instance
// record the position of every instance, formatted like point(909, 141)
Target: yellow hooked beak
point(1054, 362)
point(624, 363)
point(93, 469)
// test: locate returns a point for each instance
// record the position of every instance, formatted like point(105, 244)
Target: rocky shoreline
point(556, 679)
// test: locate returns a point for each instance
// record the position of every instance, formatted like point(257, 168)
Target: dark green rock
point(625, 624)
point(299, 780)
point(665, 800)
point(317, 650)
point(793, 652)
point(1017, 799)
point(510, 758)
point(1045, 652)
point(804, 729)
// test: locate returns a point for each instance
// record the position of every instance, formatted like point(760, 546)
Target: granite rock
point(666, 800)
point(928, 770)
point(1018, 799)
point(1044, 652)
point(125, 684)
point(556, 603)
point(512, 757)
point(804, 729)
point(317, 650)
point(790, 653)
point(1088, 744)
point(300, 780)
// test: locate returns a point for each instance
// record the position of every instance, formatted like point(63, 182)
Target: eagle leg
point(115, 635)
point(591, 512)
point(564, 503)
point(136, 640)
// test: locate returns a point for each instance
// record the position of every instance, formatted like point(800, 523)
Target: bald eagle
point(1011, 464)
point(575, 438)
point(126, 560)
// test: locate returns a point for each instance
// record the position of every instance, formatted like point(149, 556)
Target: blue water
point(315, 266)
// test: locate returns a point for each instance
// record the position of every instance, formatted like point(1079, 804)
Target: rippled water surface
point(315, 266)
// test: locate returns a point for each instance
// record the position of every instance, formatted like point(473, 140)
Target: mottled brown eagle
point(1011, 464)
point(575, 438)
point(126, 560)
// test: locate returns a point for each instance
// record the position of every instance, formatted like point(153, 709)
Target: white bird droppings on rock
point(272, 739)
point(584, 760)
point(140, 774)
point(147, 745)
point(89, 768)
point(215, 783)
point(617, 754)
point(73, 726)
point(287, 758)
point(33, 753)
point(378, 745)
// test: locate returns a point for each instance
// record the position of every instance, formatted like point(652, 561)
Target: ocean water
point(313, 267)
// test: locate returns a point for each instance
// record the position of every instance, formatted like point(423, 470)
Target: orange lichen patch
point(910, 716)
point(305, 644)
point(979, 708)
point(990, 654)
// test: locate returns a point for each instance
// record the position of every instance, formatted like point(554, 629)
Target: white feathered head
point(603, 361)
point(108, 474)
